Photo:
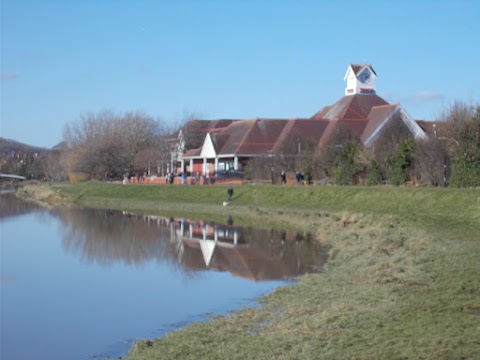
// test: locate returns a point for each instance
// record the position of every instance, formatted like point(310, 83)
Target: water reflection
point(10, 206)
point(106, 237)
point(130, 282)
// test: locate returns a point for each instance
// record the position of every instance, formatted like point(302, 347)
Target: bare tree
point(190, 126)
point(431, 162)
point(139, 132)
point(93, 144)
point(260, 168)
point(108, 145)
point(455, 118)
point(461, 135)
point(297, 154)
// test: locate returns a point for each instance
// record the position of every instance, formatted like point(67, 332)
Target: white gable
point(416, 130)
point(207, 247)
point(208, 149)
point(351, 80)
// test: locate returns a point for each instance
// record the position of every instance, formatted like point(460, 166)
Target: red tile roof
point(310, 131)
point(235, 133)
point(321, 114)
point(192, 153)
point(356, 106)
point(262, 136)
point(357, 67)
point(328, 134)
point(354, 127)
point(359, 114)
point(200, 128)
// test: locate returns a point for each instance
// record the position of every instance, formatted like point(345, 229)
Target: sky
point(226, 59)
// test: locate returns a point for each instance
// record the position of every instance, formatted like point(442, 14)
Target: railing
point(10, 176)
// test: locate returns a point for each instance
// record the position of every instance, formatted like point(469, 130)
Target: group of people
point(195, 179)
point(299, 177)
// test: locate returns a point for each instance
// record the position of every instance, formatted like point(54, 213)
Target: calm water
point(85, 284)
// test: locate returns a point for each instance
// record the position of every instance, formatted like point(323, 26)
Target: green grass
point(388, 292)
point(449, 209)
point(402, 280)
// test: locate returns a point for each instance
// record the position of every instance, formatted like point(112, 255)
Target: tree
point(108, 145)
point(54, 165)
point(341, 158)
point(260, 168)
point(431, 161)
point(393, 153)
point(94, 145)
point(399, 163)
point(140, 132)
point(345, 166)
point(296, 154)
point(374, 174)
point(462, 137)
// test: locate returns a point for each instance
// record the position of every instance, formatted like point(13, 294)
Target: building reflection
point(256, 254)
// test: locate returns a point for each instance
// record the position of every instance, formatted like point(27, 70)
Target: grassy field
point(402, 280)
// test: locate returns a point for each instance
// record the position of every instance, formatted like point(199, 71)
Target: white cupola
point(360, 79)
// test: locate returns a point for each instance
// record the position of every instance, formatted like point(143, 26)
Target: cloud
point(8, 77)
point(423, 97)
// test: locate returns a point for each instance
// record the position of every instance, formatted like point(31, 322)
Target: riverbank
point(402, 279)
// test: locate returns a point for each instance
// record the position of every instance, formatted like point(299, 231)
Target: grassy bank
point(449, 209)
point(402, 280)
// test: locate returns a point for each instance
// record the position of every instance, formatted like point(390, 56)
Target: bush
point(346, 166)
point(399, 164)
point(374, 176)
point(466, 155)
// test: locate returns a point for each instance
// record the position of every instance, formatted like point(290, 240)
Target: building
point(212, 147)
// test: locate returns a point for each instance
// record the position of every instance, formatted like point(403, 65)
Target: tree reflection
point(12, 206)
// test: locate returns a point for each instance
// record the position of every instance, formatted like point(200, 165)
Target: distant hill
point(11, 147)
point(33, 162)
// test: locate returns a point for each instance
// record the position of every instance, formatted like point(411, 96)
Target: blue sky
point(226, 59)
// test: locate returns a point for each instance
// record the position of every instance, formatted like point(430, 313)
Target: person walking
point(230, 194)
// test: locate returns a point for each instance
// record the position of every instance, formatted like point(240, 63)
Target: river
point(86, 284)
